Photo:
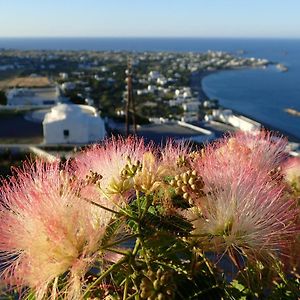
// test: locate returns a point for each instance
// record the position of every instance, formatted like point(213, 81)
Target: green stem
point(119, 207)
point(138, 202)
point(136, 247)
point(136, 295)
point(126, 288)
point(117, 251)
point(99, 205)
point(206, 262)
point(103, 275)
point(148, 203)
point(143, 248)
point(132, 296)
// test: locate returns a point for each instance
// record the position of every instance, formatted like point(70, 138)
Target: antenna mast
point(130, 104)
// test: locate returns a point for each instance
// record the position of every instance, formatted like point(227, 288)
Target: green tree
point(3, 98)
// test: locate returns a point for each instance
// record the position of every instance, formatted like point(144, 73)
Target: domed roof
point(65, 111)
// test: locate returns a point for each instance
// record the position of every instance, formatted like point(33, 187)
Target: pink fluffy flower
point(262, 149)
point(175, 157)
point(262, 152)
point(246, 214)
point(291, 172)
point(243, 209)
point(116, 161)
point(47, 231)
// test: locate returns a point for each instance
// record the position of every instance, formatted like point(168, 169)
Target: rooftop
point(30, 81)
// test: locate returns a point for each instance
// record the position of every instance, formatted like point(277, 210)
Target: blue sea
point(259, 93)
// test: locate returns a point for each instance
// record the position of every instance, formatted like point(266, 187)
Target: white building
point(63, 75)
point(191, 106)
point(73, 124)
point(154, 75)
point(238, 121)
point(33, 96)
point(68, 86)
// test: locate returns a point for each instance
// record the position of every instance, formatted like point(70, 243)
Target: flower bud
point(179, 183)
point(185, 178)
point(185, 196)
point(191, 181)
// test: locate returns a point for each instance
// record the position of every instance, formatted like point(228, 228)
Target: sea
point(262, 94)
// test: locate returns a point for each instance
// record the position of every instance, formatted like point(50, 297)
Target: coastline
point(196, 85)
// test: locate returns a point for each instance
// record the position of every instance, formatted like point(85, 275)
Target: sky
point(150, 18)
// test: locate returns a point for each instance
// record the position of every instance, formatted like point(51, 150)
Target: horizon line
point(149, 37)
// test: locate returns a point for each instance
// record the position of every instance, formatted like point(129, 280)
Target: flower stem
point(148, 203)
point(103, 275)
point(125, 289)
point(99, 205)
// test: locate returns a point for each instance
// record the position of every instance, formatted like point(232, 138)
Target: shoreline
point(196, 85)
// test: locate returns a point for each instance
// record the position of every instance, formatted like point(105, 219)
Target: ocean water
point(261, 94)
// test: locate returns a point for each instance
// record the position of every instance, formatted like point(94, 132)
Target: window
point(66, 133)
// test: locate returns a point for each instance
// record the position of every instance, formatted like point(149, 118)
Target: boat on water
point(282, 67)
point(292, 112)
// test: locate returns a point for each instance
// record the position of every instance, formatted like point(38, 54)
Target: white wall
point(54, 132)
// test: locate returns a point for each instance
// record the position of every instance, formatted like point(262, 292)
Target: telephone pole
point(130, 105)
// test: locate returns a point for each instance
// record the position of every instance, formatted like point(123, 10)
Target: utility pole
point(130, 104)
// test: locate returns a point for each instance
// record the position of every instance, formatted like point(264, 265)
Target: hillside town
point(73, 98)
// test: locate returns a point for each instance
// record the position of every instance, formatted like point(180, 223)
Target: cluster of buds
point(185, 160)
point(124, 182)
point(65, 179)
point(118, 187)
point(93, 178)
point(182, 161)
point(187, 184)
point(157, 285)
point(130, 168)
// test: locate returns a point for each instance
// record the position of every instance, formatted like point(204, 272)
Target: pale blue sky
point(144, 18)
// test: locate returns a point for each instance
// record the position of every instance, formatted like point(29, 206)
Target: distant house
point(237, 121)
point(73, 124)
point(192, 106)
point(64, 75)
point(68, 86)
point(154, 75)
point(33, 96)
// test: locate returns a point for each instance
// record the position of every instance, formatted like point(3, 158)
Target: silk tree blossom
point(261, 150)
point(151, 174)
point(47, 231)
point(116, 161)
point(291, 172)
point(176, 156)
point(243, 211)
point(249, 216)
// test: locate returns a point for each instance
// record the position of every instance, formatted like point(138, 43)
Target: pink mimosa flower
point(261, 152)
point(291, 172)
point(243, 209)
point(116, 161)
point(175, 156)
point(263, 149)
point(47, 231)
point(246, 214)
